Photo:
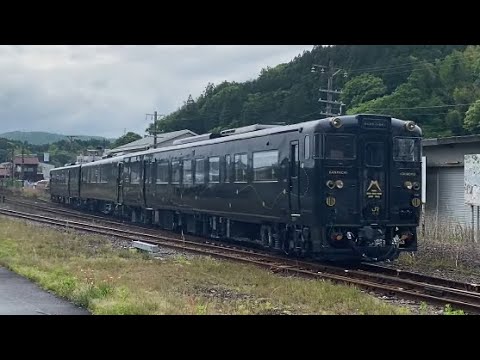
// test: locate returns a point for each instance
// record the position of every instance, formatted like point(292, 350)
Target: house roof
point(27, 160)
point(451, 140)
point(5, 172)
point(147, 141)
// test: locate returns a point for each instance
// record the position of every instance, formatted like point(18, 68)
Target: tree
point(472, 118)
point(126, 139)
point(362, 89)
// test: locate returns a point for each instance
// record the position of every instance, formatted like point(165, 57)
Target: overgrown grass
point(445, 244)
point(89, 271)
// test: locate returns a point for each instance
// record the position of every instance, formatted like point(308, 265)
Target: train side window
point(240, 167)
point(126, 173)
point(103, 176)
point(162, 172)
point(135, 172)
point(96, 175)
point(317, 146)
point(306, 148)
point(214, 169)
point(176, 174)
point(187, 172)
point(199, 171)
point(228, 169)
point(265, 165)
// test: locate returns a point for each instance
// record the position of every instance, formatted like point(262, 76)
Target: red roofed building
point(30, 168)
point(4, 172)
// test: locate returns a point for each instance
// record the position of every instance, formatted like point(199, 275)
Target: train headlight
point(336, 123)
point(339, 184)
point(416, 186)
point(408, 185)
point(330, 201)
point(416, 202)
point(410, 125)
point(330, 184)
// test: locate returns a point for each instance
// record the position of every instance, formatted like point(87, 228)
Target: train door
point(294, 179)
point(146, 178)
point(374, 176)
point(120, 183)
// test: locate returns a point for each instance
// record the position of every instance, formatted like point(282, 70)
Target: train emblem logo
point(374, 191)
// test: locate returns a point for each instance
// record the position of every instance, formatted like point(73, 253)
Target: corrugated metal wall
point(447, 184)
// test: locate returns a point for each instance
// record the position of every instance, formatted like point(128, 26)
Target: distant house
point(44, 170)
point(5, 172)
point(30, 167)
point(163, 139)
point(91, 155)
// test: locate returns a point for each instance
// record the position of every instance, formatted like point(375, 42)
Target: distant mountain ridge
point(41, 137)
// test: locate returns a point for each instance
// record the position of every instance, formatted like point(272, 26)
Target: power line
point(423, 107)
point(415, 63)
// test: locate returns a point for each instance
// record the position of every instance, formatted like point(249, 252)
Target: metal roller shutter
point(451, 201)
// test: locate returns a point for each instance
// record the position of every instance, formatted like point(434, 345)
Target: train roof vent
point(246, 129)
point(196, 138)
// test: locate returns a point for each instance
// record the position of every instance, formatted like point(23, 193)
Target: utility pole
point(13, 164)
point(23, 162)
point(331, 72)
point(155, 128)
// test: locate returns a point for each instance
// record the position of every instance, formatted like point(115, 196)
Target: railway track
point(370, 267)
point(458, 295)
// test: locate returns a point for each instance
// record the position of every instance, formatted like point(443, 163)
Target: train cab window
point(240, 167)
point(265, 165)
point(306, 148)
point(187, 172)
point(199, 171)
point(340, 147)
point(406, 149)
point(374, 153)
point(162, 172)
point(214, 169)
point(176, 174)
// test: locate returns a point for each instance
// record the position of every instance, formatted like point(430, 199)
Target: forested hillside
point(42, 138)
point(438, 86)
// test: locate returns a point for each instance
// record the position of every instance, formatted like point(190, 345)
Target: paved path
point(19, 296)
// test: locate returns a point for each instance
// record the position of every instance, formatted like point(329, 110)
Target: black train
point(343, 188)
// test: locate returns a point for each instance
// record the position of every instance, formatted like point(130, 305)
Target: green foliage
point(61, 152)
point(362, 88)
point(126, 139)
point(472, 117)
point(42, 138)
point(449, 311)
point(381, 78)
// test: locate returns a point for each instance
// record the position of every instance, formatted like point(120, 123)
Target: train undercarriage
point(338, 244)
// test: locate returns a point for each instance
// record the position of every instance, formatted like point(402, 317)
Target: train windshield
point(406, 149)
point(340, 147)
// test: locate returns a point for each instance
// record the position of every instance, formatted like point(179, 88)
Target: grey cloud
point(102, 90)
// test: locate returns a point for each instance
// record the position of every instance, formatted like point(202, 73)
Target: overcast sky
point(103, 90)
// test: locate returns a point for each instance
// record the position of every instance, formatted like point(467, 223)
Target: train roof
point(208, 140)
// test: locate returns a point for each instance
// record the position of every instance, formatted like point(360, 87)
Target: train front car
point(370, 186)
